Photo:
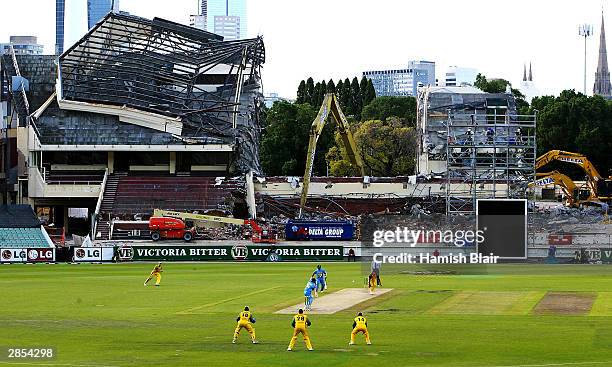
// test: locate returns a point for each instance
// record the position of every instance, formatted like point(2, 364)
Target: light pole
point(585, 30)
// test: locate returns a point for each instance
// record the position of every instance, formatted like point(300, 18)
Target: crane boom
point(260, 235)
point(330, 106)
point(197, 217)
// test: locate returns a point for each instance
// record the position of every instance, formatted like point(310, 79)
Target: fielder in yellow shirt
point(372, 282)
point(299, 323)
point(157, 270)
point(360, 325)
point(245, 321)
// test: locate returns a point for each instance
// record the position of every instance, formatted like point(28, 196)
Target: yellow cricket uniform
point(244, 322)
point(300, 322)
point(360, 325)
point(157, 270)
point(372, 282)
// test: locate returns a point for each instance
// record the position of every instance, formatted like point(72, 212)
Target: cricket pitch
point(341, 300)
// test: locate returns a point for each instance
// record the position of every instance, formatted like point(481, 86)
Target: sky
point(341, 38)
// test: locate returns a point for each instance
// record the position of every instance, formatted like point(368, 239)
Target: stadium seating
point(22, 238)
point(142, 194)
point(128, 195)
point(20, 228)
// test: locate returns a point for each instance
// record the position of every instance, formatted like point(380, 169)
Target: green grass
point(102, 315)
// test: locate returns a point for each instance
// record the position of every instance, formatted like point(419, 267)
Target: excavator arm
point(600, 187)
point(575, 158)
point(559, 179)
point(329, 107)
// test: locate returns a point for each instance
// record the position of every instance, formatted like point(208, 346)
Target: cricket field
point(502, 315)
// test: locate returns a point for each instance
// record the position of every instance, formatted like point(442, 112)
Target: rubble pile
point(561, 219)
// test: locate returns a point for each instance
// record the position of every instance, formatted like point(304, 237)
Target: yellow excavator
point(329, 107)
point(600, 187)
point(573, 196)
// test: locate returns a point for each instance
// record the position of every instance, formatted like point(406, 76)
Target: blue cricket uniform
point(320, 275)
point(310, 286)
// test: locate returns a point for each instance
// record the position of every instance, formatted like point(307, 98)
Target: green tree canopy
point(331, 87)
point(284, 141)
point(499, 86)
point(310, 91)
point(575, 123)
point(381, 108)
point(387, 148)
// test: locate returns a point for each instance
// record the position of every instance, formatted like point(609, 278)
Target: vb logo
point(240, 252)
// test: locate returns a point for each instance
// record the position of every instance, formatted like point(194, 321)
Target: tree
point(301, 93)
point(331, 87)
point(347, 98)
point(381, 108)
point(356, 95)
point(576, 123)
point(500, 86)
point(366, 89)
point(308, 96)
point(371, 93)
point(317, 95)
point(284, 142)
point(387, 148)
point(340, 93)
point(322, 93)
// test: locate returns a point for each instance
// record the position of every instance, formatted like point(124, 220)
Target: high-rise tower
point(60, 11)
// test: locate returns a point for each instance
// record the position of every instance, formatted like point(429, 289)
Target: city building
point(459, 76)
point(427, 66)
point(228, 27)
point(403, 82)
point(23, 45)
point(602, 85)
point(226, 17)
point(60, 12)
point(527, 86)
point(270, 98)
point(97, 9)
point(198, 21)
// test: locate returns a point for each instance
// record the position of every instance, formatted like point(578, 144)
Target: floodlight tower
point(585, 30)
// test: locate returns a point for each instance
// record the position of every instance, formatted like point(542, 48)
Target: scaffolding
point(488, 156)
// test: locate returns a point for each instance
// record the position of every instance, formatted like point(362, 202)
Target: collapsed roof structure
point(132, 80)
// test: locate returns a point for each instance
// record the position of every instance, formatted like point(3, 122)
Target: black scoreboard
point(503, 224)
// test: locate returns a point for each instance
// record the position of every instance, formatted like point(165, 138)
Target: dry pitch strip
point(337, 301)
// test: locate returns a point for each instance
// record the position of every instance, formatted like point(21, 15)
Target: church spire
point(524, 73)
point(602, 75)
point(530, 74)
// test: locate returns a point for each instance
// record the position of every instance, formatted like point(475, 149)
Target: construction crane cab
point(573, 196)
point(259, 234)
point(329, 107)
